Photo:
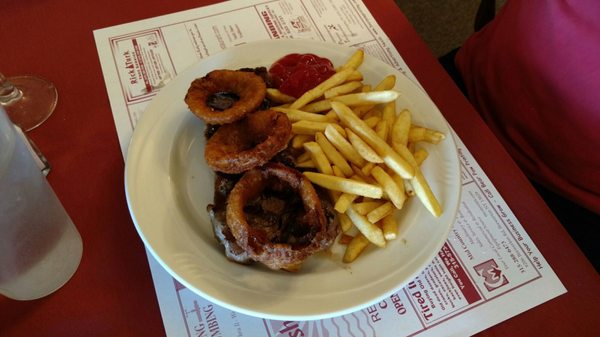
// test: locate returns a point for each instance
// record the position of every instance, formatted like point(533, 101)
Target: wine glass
point(28, 100)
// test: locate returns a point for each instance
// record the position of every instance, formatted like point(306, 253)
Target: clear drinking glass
point(40, 247)
point(28, 100)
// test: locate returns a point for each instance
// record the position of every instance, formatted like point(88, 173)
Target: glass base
point(37, 102)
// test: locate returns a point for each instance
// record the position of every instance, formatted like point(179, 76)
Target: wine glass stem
point(8, 92)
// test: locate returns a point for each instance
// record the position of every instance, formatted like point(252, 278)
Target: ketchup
point(295, 74)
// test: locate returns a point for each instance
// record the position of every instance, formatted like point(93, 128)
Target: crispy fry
point(318, 157)
point(372, 121)
point(344, 201)
point(303, 157)
point(355, 100)
point(305, 127)
point(400, 183)
point(401, 128)
point(362, 110)
point(308, 127)
point(343, 146)
point(277, 96)
point(366, 170)
point(367, 228)
point(420, 155)
point(389, 113)
point(358, 172)
point(380, 212)
point(418, 134)
point(382, 129)
point(420, 184)
point(408, 188)
point(390, 187)
point(345, 239)
point(316, 92)
point(342, 89)
point(356, 246)
point(363, 149)
point(345, 222)
point(333, 155)
point(308, 164)
point(355, 76)
point(367, 206)
point(387, 83)
point(345, 185)
point(371, 113)
point(332, 115)
point(295, 115)
point(390, 227)
point(354, 61)
point(364, 98)
point(425, 194)
point(298, 140)
point(337, 171)
point(389, 156)
point(318, 106)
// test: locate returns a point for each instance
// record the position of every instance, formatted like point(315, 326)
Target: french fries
point(363, 149)
point(366, 227)
point(345, 222)
point(420, 156)
point(417, 134)
point(305, 127)
point(387, 83)
point(345, 88)
point(354, 100)
point(277, 96)
point(344, 201)
point(390, 228)
point(356, 246)
point(359, 148)
point(390, 157)
point(295, 115)
point(389, 186)
point(366, 206)
point(345, 185)
point(380, 212)
point(419, 184)
point(333, 155)
point(318, 157)
point(343, 145)
point(316, 92)
point(354, 61)
point(401, 128)
point(299, 139)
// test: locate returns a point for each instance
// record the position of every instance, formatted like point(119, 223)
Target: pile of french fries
point(358, 147)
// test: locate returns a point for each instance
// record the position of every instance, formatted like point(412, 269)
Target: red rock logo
point(491, 274)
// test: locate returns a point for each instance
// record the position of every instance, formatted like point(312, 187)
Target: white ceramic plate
point(168, 186)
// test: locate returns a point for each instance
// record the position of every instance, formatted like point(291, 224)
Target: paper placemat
point(489, 269)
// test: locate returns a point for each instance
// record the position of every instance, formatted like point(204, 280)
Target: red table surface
point(112, 293)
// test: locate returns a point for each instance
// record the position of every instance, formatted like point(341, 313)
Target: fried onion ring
point(249, 87)
point(269, 244)
point(250, 142)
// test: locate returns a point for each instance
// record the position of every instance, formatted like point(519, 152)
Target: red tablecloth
point(112, 293)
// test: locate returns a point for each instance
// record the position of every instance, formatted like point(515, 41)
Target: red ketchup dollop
point(295, 74)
